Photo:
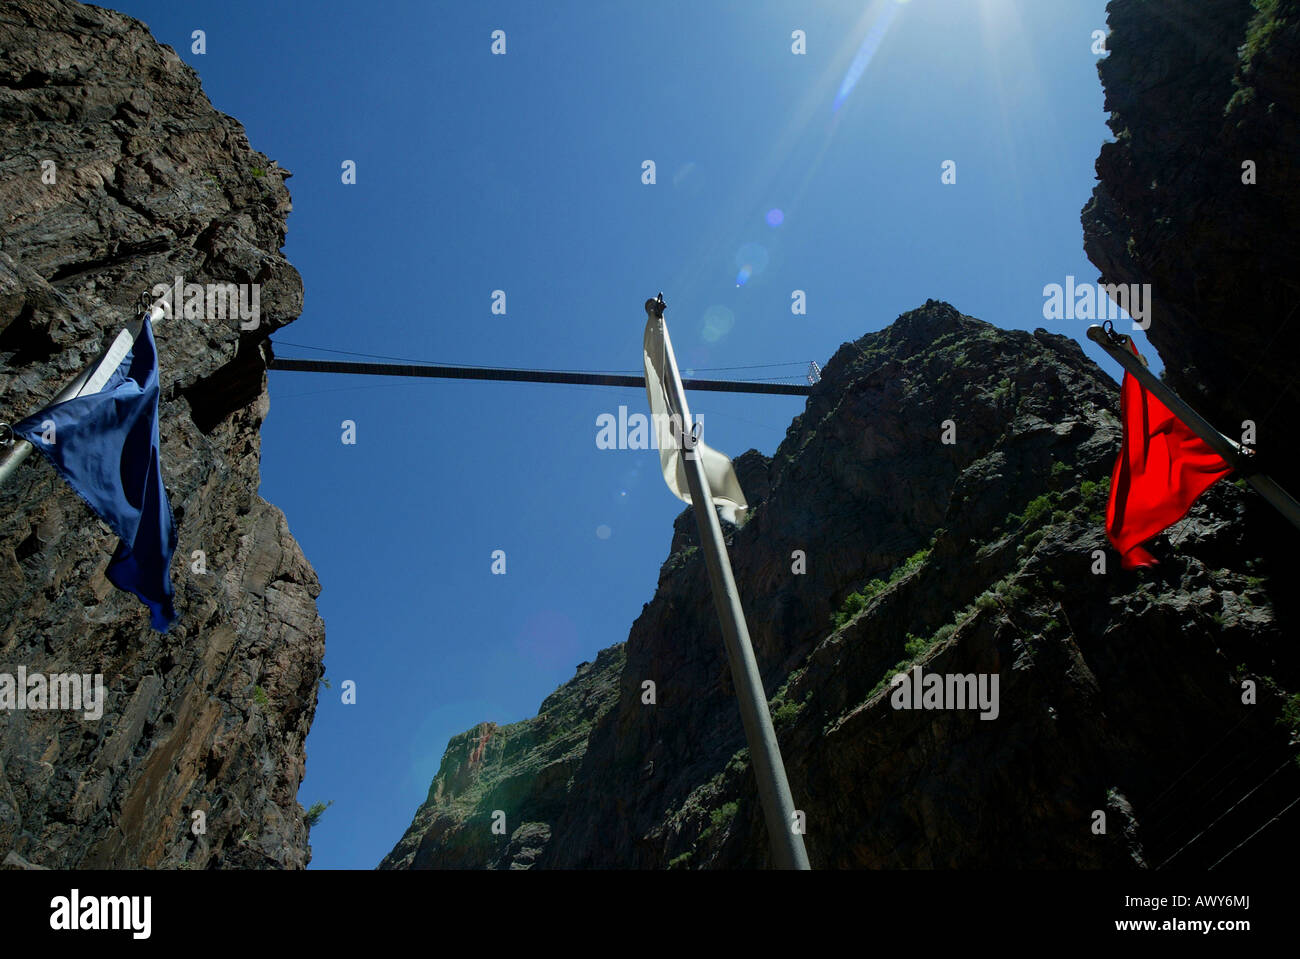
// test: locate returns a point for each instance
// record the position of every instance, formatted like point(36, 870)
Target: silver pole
point(107, 361)
point(773, 787)
point(1232, 451)
point(11, 457)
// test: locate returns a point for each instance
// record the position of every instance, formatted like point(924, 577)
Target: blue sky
point(523, 173)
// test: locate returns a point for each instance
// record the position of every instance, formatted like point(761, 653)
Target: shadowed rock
point(150, 182)
point(968, 558)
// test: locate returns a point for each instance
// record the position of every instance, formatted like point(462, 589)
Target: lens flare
point(751, 259)
point(870, 44)
point(718, 321)
point(775, 217)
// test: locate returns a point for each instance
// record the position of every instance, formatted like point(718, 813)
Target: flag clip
point(1248, 461)
point(1120, 340)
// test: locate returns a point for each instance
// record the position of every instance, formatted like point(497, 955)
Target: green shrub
point(786, 712)
point(739, 761)
point(856, 602)
point(853, 604)
point(1038, 507)
point(723, 814)
point(1259, 31)
point(911, 563)
point(874, 588)
point(312, 816)
point(1290, 716)
point(914, 646)
point(1013, 593)
point(901, 666)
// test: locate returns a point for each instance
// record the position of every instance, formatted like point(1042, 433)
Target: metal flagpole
point(89, 380)
point(773, 788)
point(1238, 456)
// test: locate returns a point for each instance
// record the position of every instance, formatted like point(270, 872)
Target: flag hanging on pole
point(724, 487)
point(104, 443)
point(692, 473)
point(1163, 466)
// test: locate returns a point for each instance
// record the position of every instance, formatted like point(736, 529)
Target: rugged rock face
point(150, 182)
point(974, 557)
point(531, 763)
point(1196, 91)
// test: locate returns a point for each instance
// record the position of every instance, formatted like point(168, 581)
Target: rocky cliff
point(117, 174)
point(1199, 195)
point(1119, 692)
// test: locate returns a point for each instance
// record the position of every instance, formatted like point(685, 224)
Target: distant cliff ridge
point(974, 558)
point(117, 174)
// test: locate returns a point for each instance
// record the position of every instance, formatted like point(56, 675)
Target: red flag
point(1162, 467)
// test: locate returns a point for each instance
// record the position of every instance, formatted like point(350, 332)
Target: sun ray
point(886, 11)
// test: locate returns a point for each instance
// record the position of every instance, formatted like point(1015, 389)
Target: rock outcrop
point(117, 174)
point(1199, 195)
point(524, 768)
point(978, 556)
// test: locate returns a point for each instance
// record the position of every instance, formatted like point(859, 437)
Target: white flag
point(724, 487)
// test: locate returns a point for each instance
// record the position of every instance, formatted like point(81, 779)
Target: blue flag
point(105, 444)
